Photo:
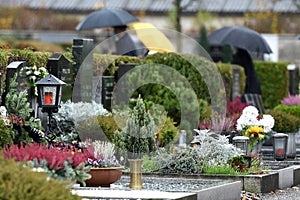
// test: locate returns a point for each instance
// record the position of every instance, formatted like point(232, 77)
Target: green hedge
point(175, 61)
point(290, 109)
point(274, 81)
point(38, 59)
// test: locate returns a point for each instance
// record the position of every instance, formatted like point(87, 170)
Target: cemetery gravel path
point(286, 194)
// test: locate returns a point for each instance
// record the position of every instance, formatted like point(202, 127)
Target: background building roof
point(219, 6)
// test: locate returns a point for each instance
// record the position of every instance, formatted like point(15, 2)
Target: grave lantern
point(241, 142)
point(49, 97)
point(280, 146)
point(49, 93)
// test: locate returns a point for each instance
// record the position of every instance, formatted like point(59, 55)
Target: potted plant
point(137, 138)
point(105, 169)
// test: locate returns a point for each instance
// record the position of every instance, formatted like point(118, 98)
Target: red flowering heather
point(236, 107)
point(55, 157)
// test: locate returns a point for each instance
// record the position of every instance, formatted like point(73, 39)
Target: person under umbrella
point(128, 44)
point(243, 58)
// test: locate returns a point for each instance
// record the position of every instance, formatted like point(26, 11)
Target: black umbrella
point(241, 37)
point(106, 18)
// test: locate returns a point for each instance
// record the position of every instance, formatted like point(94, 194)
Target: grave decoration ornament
point(49, 98)
point(258, 128)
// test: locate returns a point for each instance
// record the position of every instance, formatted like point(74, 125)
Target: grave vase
point(291, 145)
point(135, 173)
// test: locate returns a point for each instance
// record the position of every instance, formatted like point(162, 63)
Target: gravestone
point(12, 69)
point(83, 84)
point(121, 96)
point(293, 79)
point(80, 49)
point(108, 83)
point(235, 90)
point(62, 68)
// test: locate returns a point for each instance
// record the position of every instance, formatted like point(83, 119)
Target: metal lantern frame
point(49, 93)
point(242, 143)
point(49, 99)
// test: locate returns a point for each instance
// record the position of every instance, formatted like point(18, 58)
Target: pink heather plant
point(291, 100)
point(63, 164)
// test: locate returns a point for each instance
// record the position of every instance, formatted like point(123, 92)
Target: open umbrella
point(151, 37)
point(106, 18)
point(241, 37)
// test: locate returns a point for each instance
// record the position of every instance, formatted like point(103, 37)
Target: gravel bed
point(286, 194)
point(169, 184)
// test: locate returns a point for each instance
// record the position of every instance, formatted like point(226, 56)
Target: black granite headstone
point(84, 80)
point(12, 69)
point(235, 89)
point(62, 68)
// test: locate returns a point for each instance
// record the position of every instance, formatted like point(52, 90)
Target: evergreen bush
point(19, 182)
point(273, 77)
point(284, 122)
point(290, 109)
point(138, 136)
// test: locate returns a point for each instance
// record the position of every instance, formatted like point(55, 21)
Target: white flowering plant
point(101, 154)
point(33, 74)
point(257, 127)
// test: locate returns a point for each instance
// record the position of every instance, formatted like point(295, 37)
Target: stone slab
point(221, 192)
point(296, 175)
point(286, 177)
point(261, 183)
point(133, 194)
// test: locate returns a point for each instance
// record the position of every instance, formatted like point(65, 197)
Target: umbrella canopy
point(241, 37)
point(151, 37)
point(106, 18)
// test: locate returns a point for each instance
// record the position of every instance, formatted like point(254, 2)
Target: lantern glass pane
point(241, 145)
point(48, 95)
point(279, 143)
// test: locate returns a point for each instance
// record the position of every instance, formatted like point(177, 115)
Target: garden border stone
point(258, 183)
point(296, 174)
point(214, 192)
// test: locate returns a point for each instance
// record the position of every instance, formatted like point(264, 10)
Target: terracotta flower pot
point(104, 176)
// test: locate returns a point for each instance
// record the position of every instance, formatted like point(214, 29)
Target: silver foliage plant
point(215, 149)
point(81, 111)
point(71, 114)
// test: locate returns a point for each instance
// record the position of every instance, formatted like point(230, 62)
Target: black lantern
point(49, 97)
point(49, 93)
point(241, 142)
point(280, 146)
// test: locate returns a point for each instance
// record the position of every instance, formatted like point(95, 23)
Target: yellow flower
point(255, 131)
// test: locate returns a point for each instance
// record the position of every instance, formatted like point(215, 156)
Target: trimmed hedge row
point(273, 76)
point(274, 81)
